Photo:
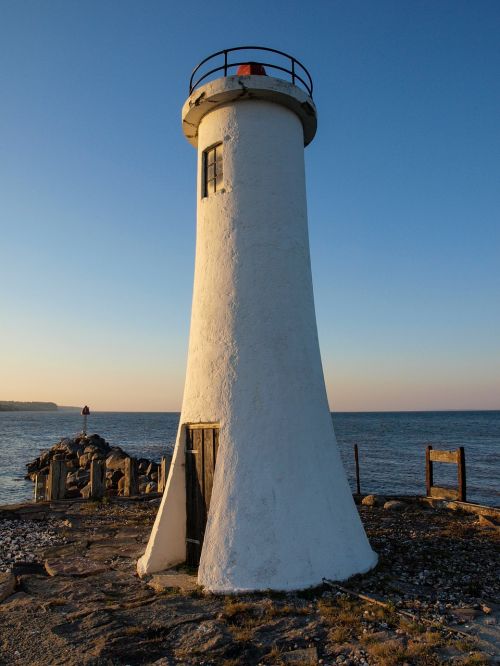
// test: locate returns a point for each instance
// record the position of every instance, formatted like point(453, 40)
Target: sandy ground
point(79, 601)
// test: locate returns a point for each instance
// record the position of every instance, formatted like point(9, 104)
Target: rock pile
point(78, 453)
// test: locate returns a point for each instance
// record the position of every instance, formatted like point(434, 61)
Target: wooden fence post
point(429, 477)
point(462, 483)
point(356, 462)
point(56, 486)
point(97, 478)
point(131, 485)
point(162, 475)
point(40, 487)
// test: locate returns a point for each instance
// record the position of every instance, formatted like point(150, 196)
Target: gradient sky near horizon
point(97, 196)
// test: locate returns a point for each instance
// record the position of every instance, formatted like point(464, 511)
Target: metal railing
point(298, 73)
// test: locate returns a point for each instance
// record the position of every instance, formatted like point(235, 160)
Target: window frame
point(212, 159)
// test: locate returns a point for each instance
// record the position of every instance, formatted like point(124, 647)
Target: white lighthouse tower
point(256, 492)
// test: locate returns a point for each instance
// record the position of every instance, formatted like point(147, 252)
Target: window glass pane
point(212, 170)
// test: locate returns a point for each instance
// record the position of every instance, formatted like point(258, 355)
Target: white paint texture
point(282, 515)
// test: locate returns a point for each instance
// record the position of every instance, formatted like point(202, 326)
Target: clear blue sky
point(97, 195)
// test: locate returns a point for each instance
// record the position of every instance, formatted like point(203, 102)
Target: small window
point(212, 170)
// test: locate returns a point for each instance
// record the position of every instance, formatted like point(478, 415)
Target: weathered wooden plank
point(162, 475)
point(201, 447)
point(200, 426)
point(443, 493)
point(462, 483)
point(209, 465)
point(131, 481)
point(40, 487)
point(200, 513)
point(437, 455)
point(356, 463)
point(97, 478)
point(195, 526)
point(191, 536)
point(189, 438)
point(429, 478)
point(56, 485)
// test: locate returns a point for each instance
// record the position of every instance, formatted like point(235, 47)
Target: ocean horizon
point(391, 445)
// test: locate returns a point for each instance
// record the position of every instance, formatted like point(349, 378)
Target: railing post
point(429, 480)
point(462, 483)
point(56, 487)
point(356, 462)
point(97, 478)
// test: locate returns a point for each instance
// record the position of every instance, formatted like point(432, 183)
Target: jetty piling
point(97, 479)
point(40, 487)
point(56, 487)
point(131, 481)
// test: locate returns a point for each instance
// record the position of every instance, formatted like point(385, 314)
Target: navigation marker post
point(85, 413)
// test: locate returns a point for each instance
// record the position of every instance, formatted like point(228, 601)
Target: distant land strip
point(16, 406)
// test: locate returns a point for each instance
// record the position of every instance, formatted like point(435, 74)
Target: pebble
point(21, 539)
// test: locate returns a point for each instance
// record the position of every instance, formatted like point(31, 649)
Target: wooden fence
point(53, 485)
point(432, 456)
point(456, 457)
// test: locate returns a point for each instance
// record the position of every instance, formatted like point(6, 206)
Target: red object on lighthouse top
point(251, 68)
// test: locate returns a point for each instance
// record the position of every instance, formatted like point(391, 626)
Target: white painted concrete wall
point(282, 514)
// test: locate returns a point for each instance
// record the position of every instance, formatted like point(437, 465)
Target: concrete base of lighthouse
point(287, 535)
point(281, 515)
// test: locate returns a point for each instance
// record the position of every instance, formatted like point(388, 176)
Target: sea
point(391, 446)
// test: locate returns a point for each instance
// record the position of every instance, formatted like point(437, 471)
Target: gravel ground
point(83, 604)
point(22, 540)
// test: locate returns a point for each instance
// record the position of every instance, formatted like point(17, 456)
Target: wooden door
point(202, 443)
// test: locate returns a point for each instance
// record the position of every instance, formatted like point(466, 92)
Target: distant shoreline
point(18, 406)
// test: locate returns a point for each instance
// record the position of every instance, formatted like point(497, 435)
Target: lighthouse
point(257, 496)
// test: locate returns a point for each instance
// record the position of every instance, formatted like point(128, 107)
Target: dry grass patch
point(387, 653)
point(234, 609)
point(133, 631)
point(474, 659)
point(279, 610)
point(411, 627)
point(242, 634)
point(394, 652)
point(274, 655)
point(432, 637)
point(342, 611)
point(339, 635)
point(463, 644)
point(56, 601)
point(421, 654)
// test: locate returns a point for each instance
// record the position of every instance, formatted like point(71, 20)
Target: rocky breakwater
point(79, 452)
